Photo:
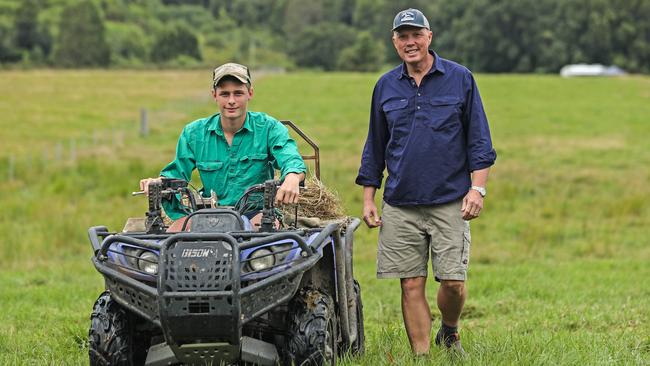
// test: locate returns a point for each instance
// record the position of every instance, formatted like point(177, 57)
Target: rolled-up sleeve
point(373, 157)
point(284, 151)
point(480, 153)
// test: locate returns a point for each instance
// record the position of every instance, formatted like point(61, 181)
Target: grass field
point(560, 270)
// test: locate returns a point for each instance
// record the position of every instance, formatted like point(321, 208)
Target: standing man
point(233, 149)
point(429, 130)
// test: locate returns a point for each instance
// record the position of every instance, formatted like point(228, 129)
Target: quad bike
point(223, 291)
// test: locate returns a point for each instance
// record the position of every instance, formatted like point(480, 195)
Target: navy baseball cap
point(410, 17)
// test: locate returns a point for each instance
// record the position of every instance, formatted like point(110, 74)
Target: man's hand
point(144, 184)
point(370, 214)
point(472, 205)
point(289, 191)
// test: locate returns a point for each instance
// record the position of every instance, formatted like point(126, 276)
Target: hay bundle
point(316, 200)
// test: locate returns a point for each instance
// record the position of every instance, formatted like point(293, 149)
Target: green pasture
point(560, 270)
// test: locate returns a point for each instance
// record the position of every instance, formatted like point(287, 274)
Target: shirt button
point(418, 94)
point(418, 107)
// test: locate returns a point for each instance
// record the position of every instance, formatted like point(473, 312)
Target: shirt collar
point(437, 66)
point(215, 124)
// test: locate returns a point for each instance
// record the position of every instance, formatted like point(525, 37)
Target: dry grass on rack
point(316, 200)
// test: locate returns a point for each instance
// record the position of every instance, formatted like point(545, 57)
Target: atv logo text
point(198, 253)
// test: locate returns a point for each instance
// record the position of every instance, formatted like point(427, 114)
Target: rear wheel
point(112, 337)
point(313, 331)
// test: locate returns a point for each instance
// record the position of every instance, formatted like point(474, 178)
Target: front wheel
point(112, 339)
point(312, 329)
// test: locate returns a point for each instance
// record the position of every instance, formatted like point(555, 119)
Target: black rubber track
point(111, 338)
point(312, 329)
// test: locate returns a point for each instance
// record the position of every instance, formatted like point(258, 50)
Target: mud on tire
point(112, 338)
point(313, 331)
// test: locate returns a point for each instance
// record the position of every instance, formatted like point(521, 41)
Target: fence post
point(12, 164)
point(144, 123)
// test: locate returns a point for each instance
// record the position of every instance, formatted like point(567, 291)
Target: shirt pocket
point(395, 110)
point(212, 174)
point(254, 168)
point(443, 113)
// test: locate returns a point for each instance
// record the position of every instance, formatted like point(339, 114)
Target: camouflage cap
point(238, 71)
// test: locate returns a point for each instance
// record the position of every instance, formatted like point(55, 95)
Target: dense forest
point(486, 35)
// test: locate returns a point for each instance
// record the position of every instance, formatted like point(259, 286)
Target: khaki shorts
point(408, 233)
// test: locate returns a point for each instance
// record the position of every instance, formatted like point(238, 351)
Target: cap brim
point(243, 80)
point(410, 25)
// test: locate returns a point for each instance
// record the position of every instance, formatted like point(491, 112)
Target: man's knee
point(453, 288)
point(413, 286)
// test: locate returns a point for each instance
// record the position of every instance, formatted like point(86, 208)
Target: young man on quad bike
point(213, 288)
point(233, 149)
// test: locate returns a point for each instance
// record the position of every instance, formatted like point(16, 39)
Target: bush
point(128, 43)
point(173, 42)
point(321, 44)
point(367, 54)
point(81, 41)
point(7, 51)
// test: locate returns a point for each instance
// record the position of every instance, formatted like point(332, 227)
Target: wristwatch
point(480, 190)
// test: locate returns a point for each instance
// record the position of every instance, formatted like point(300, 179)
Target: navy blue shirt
point(429, 138)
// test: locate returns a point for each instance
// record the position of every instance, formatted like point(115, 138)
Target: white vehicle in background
point(590, 70)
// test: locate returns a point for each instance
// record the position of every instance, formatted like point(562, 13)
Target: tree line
point(486, 35)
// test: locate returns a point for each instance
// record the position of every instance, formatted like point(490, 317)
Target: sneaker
point(451, 343)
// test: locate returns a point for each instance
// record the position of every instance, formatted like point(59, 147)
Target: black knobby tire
point(312, 329)
point(359, 345)
point(111, 338)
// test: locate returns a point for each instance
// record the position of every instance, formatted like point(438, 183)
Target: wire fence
point(16, 166)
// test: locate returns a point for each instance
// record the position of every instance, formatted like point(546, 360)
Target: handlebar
point(166, 191)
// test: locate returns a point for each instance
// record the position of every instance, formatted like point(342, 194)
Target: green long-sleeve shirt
point(261, 145)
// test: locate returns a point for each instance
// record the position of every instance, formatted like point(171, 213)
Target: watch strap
point(480, 190)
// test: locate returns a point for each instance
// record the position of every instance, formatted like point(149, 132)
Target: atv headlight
point(148, 262)
point(261, 259)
